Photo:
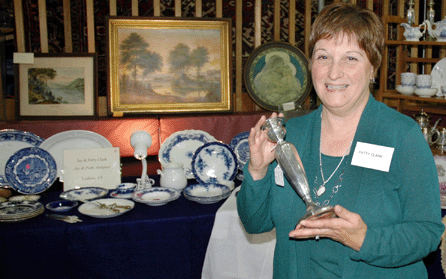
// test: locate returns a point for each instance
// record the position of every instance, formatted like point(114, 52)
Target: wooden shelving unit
point(405, 56)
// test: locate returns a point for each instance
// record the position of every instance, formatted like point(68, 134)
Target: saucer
point(114, 194)
point(405, 90)
point(426, 92)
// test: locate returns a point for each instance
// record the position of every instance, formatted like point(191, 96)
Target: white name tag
point(372, 156)
point(278, 176)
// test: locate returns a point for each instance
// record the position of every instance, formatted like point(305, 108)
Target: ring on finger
point(317, 237)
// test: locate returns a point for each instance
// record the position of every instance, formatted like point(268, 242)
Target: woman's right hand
point(261, 150)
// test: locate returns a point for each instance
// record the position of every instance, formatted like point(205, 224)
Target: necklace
point(321, 188)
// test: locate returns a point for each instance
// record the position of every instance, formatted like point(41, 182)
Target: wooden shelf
point(415, 43)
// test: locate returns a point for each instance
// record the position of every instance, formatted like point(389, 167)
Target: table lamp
point(141, 141)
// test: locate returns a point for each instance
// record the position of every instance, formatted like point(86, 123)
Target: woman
point(387, 208)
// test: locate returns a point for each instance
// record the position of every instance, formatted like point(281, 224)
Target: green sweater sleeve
point(254, 202)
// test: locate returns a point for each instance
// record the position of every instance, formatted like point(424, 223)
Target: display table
point(147, 242)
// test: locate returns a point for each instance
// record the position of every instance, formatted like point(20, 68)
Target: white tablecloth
point(232, 252)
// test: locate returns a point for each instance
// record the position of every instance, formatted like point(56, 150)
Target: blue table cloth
point(169, 241)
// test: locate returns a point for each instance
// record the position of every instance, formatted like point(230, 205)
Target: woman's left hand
point(349, 229)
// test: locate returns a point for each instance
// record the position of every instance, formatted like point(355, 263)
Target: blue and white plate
point(12, 141)
point(18, 211)
point(181, 146)
point(239, 144)
point(31, 170)
point(84, 194)
point(214, 162)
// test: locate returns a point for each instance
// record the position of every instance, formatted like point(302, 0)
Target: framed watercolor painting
point(55, 86)
point(168, 65)
point(277, 73)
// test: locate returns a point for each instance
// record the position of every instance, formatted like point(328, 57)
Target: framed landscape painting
point(56, 86)
point(168, 65)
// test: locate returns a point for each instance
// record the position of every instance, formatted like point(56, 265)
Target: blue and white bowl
point(206, 193)
point(61, 206)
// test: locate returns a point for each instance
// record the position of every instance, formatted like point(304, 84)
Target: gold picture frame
point(168, 65)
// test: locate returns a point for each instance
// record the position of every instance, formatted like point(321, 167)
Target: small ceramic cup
point(144, 184)
point(408, 79)
point(125, 188)
point(424, 81)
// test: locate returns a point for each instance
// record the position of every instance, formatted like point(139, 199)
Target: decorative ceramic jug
point(413, 33)
point(173, 176)
point(439, 32)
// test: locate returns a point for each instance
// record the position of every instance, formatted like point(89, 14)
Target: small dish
point(405, 90)
point(426, 92)
point(83, 194)
point(61, 206)
point(206, 193)
point(156, 196)
point(25, 198)
point(116, 195)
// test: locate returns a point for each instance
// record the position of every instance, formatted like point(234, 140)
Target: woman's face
point(341, 73)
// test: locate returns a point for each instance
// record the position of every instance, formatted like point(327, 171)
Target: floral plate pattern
point(214, 162)
point(12, 141)
point(181, 146)
point(239, 144)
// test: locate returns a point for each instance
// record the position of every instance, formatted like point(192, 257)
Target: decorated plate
point(181, 146)
point(84, 194)
point(12, 141)
point(74, 139)
point(18, 211)
point(239, 144)
point(277, 73)
point(438, 74)
point(156, 196)
point(115, 194)
point(206, 193)
point(111, 208)
point(31, 170)
point(214, 162)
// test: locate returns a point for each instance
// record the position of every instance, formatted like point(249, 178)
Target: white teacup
point(424, 81)
point(125, 188)
point(408, 79)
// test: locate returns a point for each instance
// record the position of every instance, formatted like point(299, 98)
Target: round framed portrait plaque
point(277, 73)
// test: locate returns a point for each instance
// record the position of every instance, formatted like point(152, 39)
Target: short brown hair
point(342, 18)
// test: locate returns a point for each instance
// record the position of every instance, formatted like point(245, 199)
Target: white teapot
point(412, 33)
point(173, 176)
point(440, 30)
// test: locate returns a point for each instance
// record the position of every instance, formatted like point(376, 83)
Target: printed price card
point(97, 167)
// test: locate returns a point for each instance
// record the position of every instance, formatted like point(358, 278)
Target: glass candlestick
point(411, 13)
point(289, 160)
point(431, 12)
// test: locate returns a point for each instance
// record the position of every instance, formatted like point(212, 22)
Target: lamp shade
point(140, 141)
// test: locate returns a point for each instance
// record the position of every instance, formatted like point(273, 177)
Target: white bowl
point(426, 92)
point(405, 90)
point(155, 196)
point(206, 193)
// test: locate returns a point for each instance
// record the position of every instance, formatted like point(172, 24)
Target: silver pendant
point(320, 191)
